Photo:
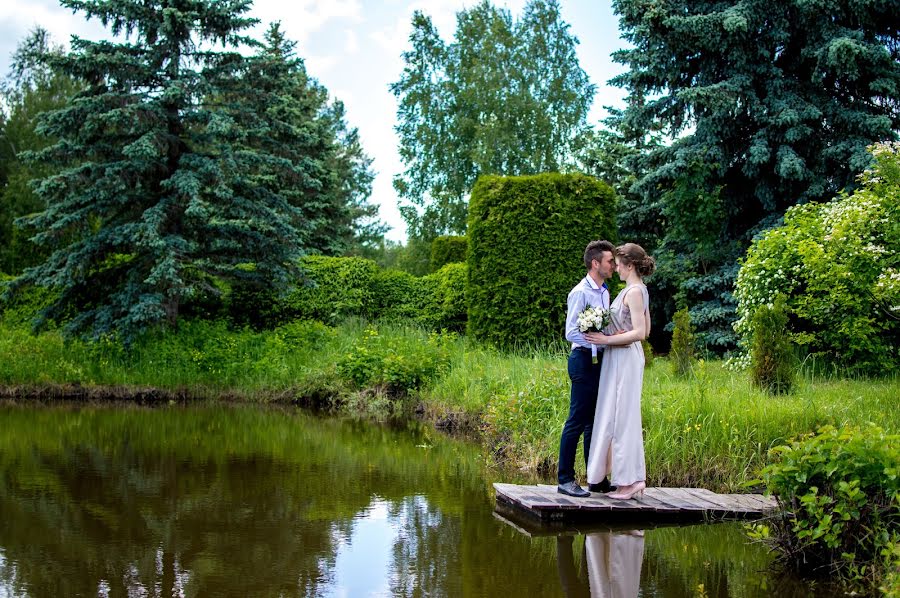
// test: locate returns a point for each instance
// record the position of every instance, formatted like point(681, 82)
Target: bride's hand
point(596, 338)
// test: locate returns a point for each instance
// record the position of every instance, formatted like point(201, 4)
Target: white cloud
point(300, 19)
point(351, 46)
point(318, 65)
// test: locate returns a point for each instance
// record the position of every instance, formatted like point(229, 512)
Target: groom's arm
point(576, 305)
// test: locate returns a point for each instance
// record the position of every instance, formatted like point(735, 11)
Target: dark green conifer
point(311, 132)
point(164, 184)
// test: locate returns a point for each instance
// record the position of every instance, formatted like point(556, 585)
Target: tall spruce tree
point(505, 97)
point(308, 130)
point(163, 187)
point(770, 104)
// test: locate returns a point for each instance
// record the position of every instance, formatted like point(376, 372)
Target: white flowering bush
point(837, 264)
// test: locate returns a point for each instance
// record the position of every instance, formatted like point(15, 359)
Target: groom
point(585, 376)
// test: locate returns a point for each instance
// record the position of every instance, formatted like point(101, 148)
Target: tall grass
point(711, 429)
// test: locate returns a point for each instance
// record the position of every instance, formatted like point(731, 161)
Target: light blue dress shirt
point(585, 293)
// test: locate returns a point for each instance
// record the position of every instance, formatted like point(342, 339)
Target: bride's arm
point(635, 303)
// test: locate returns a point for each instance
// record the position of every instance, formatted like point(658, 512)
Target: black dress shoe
point(573, 489)
point(603, 486)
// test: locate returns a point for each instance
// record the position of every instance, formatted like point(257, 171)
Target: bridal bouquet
point(593, 319)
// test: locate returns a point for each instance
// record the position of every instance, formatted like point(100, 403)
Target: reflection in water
point(612, 561)
point(362, 565)
point(213, 501)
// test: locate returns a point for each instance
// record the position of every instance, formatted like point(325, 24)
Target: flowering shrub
point(837, 264)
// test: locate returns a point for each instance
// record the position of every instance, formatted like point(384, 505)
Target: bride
point(617, 443)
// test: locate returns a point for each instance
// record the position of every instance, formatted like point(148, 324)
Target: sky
point(354, 47)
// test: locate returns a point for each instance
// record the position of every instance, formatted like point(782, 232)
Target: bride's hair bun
point(632, 253)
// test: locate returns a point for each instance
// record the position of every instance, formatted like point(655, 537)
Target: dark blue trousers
point(585, 377)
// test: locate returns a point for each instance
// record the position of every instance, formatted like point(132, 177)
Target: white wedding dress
point(617, 443)
point(614, 562)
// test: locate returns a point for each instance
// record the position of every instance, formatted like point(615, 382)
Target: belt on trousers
point(584, 350)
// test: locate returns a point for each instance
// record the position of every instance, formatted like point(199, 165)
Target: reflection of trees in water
point(426, 550)
point(130, 523)
point(240, 502)
point(677, 560)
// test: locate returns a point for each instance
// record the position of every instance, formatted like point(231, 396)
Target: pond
point(212, 500)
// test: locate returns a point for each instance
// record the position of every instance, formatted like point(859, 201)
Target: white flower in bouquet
point(593, 319)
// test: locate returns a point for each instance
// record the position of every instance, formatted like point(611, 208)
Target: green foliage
point(172, 170)
point(447, 249)
point(32, 88)
point(773, 360)
point(311, 133)
point(398, 295)
point(336, 288)
point(837, 265)
point(778, 100)
point(505, 97)
point(526, 241)
point(394, 364)
point(445, 299)
point(524, 423)
point(842, 493)
point(683, 347)
point(415, 257)
point(21, 308)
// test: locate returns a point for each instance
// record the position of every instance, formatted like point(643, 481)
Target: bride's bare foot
point(628, 492)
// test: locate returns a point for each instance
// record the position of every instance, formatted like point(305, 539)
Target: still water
point(246, 501)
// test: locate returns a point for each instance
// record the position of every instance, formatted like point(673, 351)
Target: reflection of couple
point(605, 402)
point(613, 562)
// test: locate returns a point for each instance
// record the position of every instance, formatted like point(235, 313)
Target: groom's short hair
point(594, 251)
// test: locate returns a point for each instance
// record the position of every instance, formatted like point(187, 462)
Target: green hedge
point(337, 288)
point(445, 300)
point(334, 289)
point(526, 244)
point(447, 249)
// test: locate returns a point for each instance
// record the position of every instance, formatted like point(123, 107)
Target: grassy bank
point(712, 429)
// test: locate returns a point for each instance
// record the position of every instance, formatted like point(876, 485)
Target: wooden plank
point(753, 501)
point(664, 499)
point(749, 503)
point(768, 503)
point(723, 507)
point(709, 508)
point(678, 499)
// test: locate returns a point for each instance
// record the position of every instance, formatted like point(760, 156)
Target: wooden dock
point(545, 504)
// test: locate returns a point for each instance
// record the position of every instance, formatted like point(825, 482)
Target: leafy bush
point(25, 304)
point(447, 249)
point(683, 349)
point(837, 265)
point(339, 287)
point(772, 365)
point(527, 236)
point(397, 295)
point(396, 364)
point(841, 491)
point(349, 287)
point(445, 302)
